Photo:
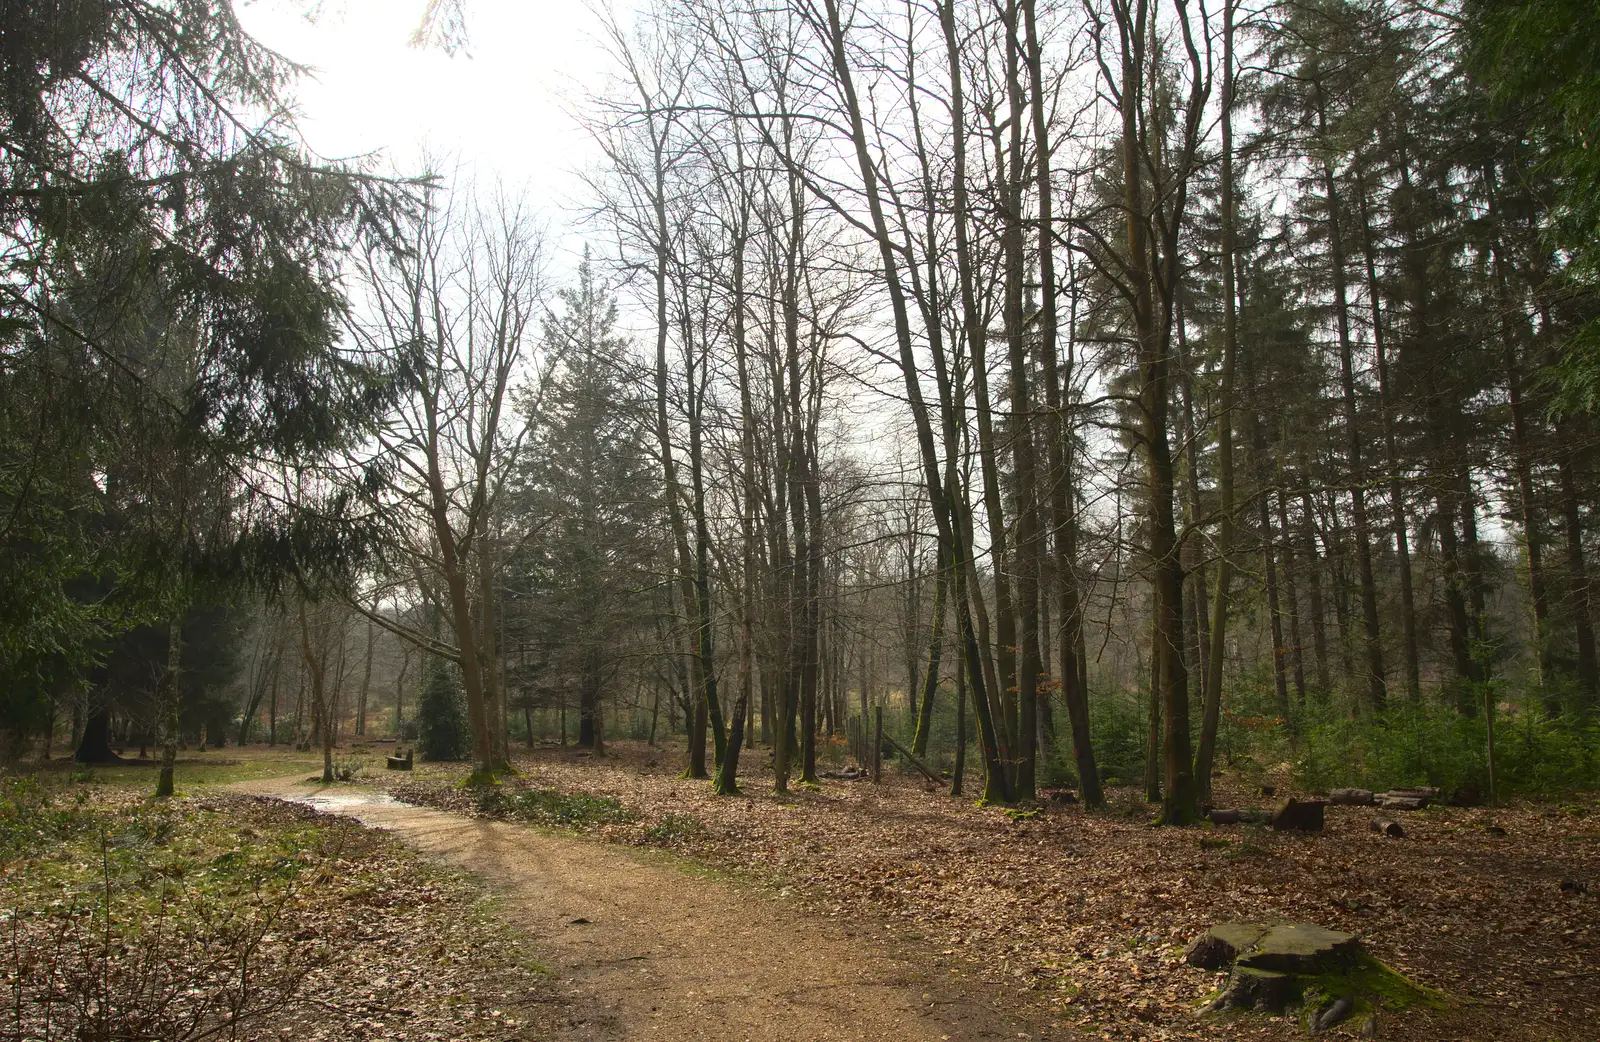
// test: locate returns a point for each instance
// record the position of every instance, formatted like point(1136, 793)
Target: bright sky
point(500, 107)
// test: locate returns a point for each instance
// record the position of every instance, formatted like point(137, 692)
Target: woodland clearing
point(657, 910)
point(1080, 920)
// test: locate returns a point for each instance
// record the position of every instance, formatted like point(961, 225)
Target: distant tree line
point(1116, 378)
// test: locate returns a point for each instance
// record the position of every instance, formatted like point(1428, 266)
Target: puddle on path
point(346, 802)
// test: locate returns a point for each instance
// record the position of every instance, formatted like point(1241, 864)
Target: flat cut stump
point(1275, 966)
point(1302, 948)
point(1220, 947)
point(1281, 947)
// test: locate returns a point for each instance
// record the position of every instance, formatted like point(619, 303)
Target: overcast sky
point(499, 107)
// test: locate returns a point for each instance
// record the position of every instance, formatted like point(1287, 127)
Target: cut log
point(1389, 827)
point(1225, 817)
point(1422, 796)
point(927, 772)
point(1300, 815)
point(1351, 797)
point(1389, 801)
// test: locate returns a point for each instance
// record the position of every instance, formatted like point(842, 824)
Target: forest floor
point(1073, 923)
point(218, 914)
point(601, 899)
point(652, 947)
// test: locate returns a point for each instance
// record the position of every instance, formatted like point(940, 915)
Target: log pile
point(1415, 798)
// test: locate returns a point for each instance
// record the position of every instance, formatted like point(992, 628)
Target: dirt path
point(649, 952)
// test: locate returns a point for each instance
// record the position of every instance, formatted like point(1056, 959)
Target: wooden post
point(877, 743)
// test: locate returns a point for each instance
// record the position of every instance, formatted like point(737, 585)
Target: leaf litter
point(1082, 918)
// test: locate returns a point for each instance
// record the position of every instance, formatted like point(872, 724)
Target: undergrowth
point(125, 919)
point(549, 807)
point(1436, 745)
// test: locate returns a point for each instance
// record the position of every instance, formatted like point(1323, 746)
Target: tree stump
point(1273, 967)
point(1220, 947)
point(1303, 948)
point(1250, 988)
point(1282, 947)
point(1300, 815)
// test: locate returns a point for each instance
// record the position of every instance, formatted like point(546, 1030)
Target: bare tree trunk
point(167, 702)
point(366, 685)
point(1397, 502)
point(1296, 646)
point(944, 514)
point(1026, 481)
point(1211, 688)
point(1377, 686)
point(1319, 611)
point(1577, 573)
point(272, 707)
point(1280, 684)
point(930, 681)
point(1152, 336)
point(316, 663)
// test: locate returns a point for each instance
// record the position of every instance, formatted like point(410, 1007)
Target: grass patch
point(228, 916)
point(143, 920)
point(193, 770)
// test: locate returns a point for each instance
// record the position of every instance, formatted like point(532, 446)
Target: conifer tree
point(442, 715)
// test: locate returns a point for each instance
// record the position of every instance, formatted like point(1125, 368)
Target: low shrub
point(1429, 744)
point(141, 921)
point(550, 807)
point(30, 817)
